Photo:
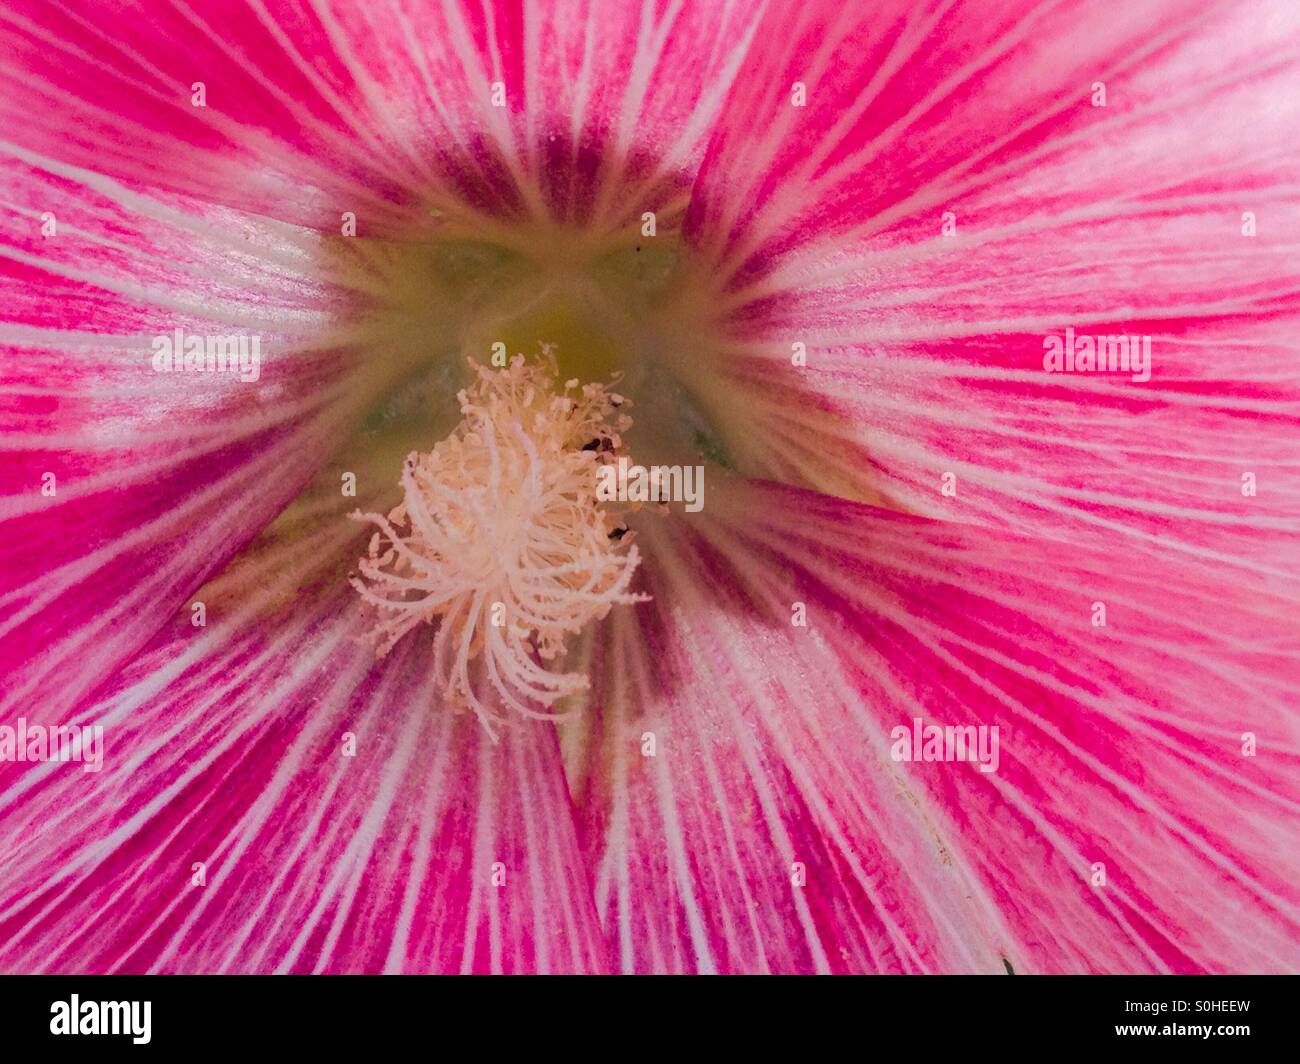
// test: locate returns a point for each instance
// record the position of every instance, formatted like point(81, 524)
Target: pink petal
point(278, 133)
point(1120, 745)
point(159, 478)
point(1123, 219)
point(315, 109)
point(431, 850)
point(764, 830)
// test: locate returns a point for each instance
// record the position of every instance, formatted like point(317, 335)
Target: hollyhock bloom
point(869, 265)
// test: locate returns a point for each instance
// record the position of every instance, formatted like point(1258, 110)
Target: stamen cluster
point(501, 536)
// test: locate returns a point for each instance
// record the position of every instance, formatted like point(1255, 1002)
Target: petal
point(739, 812)
point(229, 829)
point(310, 110)
point(1157, 748)
point(627, 96)
point(121, 488)
point(277, 131)
point(926, 351)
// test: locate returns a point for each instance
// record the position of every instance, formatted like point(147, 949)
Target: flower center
point(605, 301)
point(503, 538)
point(500, 536)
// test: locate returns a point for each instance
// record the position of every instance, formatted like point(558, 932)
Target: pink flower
point(859, 261)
